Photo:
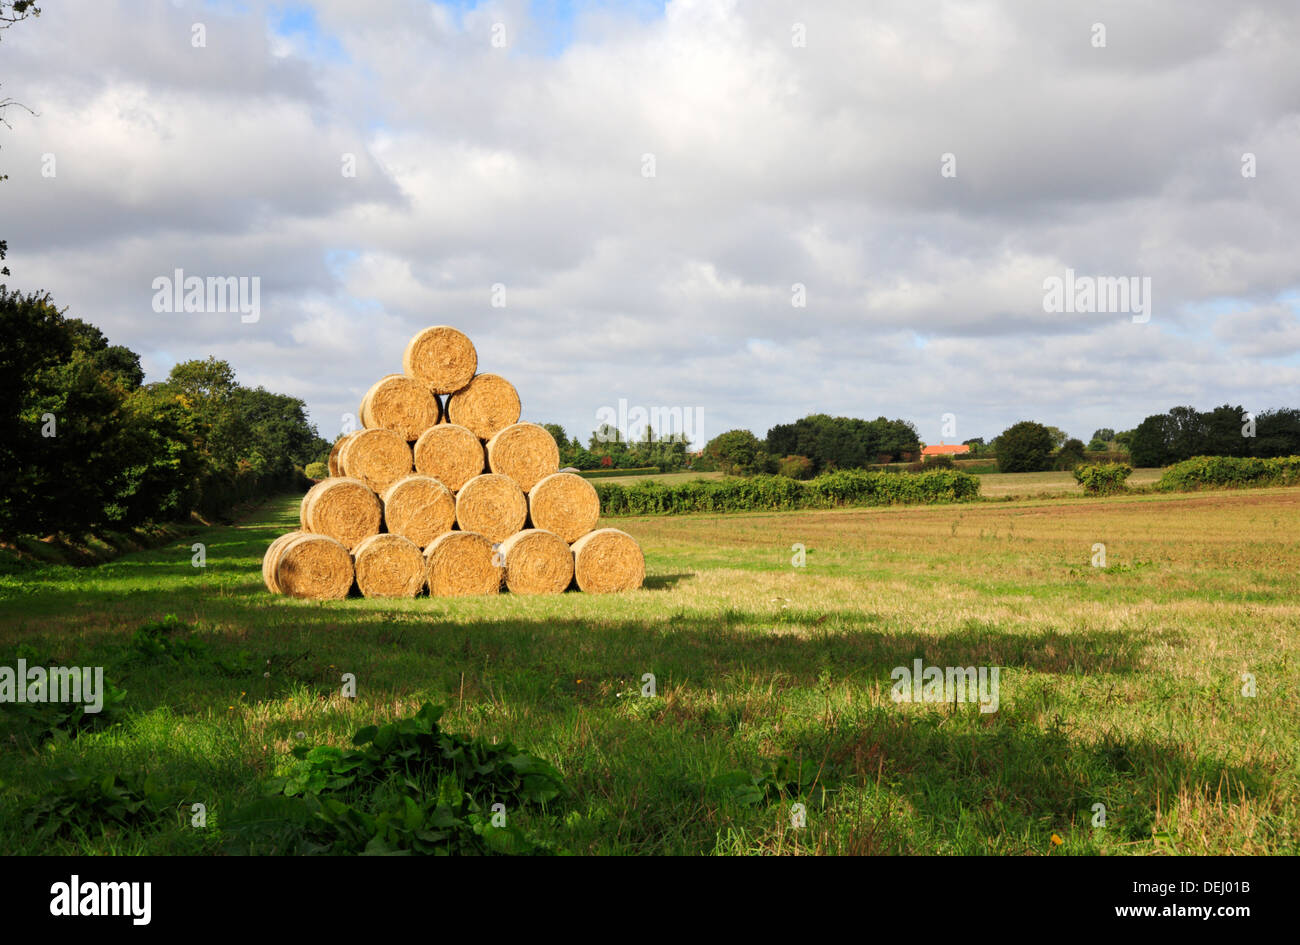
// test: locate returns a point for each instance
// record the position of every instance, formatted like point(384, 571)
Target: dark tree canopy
point(1025, 447)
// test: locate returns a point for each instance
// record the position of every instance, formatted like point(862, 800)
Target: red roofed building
point(944, 450)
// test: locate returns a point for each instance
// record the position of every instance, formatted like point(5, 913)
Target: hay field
point(1119, 685)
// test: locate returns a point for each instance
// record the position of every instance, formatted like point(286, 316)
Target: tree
point(1059, 437)
point(1277, 433)
point(843, 442)
point(1069, 455)
point(1150, 443)
point(1025, 447)
point(738, 452)
point(1221, 432)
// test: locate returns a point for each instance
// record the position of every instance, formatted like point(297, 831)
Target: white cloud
point(775, 164)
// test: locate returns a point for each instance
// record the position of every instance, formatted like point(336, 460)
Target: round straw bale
point(377, 457)
point(460, 564)
point(441, 358)
point(335, 450)
point(314, 566)
point(400, 404)
point(449, 453)
point(565, 504)
point(389, 566)
point(608, 560)
point(536, 562)
point(344, 509)
point(492, 505)
point(272, 557)
point(419, 508)
point(487, 404)
point(525, 452)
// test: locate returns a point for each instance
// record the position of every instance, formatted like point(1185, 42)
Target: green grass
point(1119, 685)
point(996, 485)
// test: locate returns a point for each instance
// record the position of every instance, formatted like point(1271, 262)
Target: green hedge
point(606, 473)
point(1103, 478)
point(1225, 472)
point(778, 493)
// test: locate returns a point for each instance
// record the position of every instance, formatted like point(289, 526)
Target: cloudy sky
point(650, 182)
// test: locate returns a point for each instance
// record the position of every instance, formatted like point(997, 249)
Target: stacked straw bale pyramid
point(445, 490)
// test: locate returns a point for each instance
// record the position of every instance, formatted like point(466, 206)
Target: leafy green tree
point(1150, 444)
point(738, 452)
point(1025, 447)
point(1221, 432)
point(1059, 437)
point(1069, 455)
point(1277, 433)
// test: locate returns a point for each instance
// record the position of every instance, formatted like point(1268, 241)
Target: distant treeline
point(85, 443)
point(1184, 432)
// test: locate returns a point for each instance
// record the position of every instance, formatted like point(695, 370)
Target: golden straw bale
point(565, 504)
point(314, 566)
point(536, 562)
point(441, 358)
point(525, 452)
point(608, 560)
point(449, 453)
point(344, 509)
point(460, 564)
point(272, 558)
point(377, 457)
point(419, 508)
point(487, 404)
point(335, 450)
point(491, 505)
point(400, 404)
point(389, 566)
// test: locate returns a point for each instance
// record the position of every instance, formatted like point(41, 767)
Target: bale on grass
point(389, 566)
point(565, 504)
point(491, 505)
point(460, 564)
point(400, 404)
point(377, 457)
point(536, 562)
point(344, 509)
point(419, 508)
point(487, 404)
point(335, 450)
point(441, 358)
point(525, 452)
point(449, 453)
point(314, 566)
point(608, 560)
point(272, 558)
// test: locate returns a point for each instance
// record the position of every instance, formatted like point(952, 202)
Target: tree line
point(86, 444)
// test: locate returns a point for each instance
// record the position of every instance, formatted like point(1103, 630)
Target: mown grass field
point(1119, 685)
point(994, 485)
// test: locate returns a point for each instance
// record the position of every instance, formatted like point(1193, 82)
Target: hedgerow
point(1103, 478)
point(1226, 472)
point(779, 493)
